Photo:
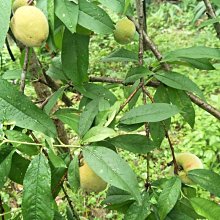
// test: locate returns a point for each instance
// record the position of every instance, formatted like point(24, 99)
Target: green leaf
point(149, 113)
point(17, 108)
point(183, 102)
point(55, 70)
point(169, 196)
point(94, 18)
point(179, 81)
point(139, 212)
point(51, 10)
point(19, 167)
point(112, 168)
point(98, 133)
point(115, 5)
point(37, 201)
point(94, 91)
point(75, 57)
point(121, 55)
point(5, 12)
point(69, 117)
point(157, 128)
point(133, 142)
point(87, 117)
point(207, 179)
point(128, 90)
point(117, 196)
point(210, 210)
point(197, 52)
point(183, 210)
point(42, 5)
point(5, 163)
point(136, 73)
point(21, 137)
point(67, 12)
point(202, 63)
point(73, 174)
point(53, 100)
point(55, 160)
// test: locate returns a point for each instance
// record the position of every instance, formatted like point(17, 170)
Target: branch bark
point(211, 14)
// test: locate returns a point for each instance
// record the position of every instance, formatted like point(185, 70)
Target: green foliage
point(119, 129)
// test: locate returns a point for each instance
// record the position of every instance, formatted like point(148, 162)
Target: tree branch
point(205, 106)
point(211, 14)
point(70, 204)
point(24, 70)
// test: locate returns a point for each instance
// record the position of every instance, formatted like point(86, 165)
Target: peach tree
point(76, 124)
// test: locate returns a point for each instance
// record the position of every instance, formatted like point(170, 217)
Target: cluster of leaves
point(98, 122)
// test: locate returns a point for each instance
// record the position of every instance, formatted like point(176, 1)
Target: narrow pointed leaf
point(179, 81)
point(121, 55)
point(37, 201)
point(207, 179)
point(73, 174)
point(94, 18)
point(112, 168)
point(210, 210)
point(183, 102)
point(67, 12)
point(169, 196)
point(5, 163)
point(75, 57)
point(17, 108)
point(149, 113)
point(98, 133)
point(133, 142)
point(139, 212)
point(87, 117)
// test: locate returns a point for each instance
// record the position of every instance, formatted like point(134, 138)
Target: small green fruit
point(124, 31)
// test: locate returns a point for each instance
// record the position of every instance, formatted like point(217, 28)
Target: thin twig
point(131, 96)
point(24, 70)
point(70, 203)
point(52, 84)
point(211, 14)
point(205, 106)
point(202, 104)
point(120, 81)
point(39, 144)
point(9, 50)
point(166, 134)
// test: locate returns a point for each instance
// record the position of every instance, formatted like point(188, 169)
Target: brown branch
point(24, 70)
point(205, 106)
point(211, 14)
point(52, 84)
point(9, 50)
point(130, 97)
point(167, 136)
point(120, 81)
point(70, 204)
